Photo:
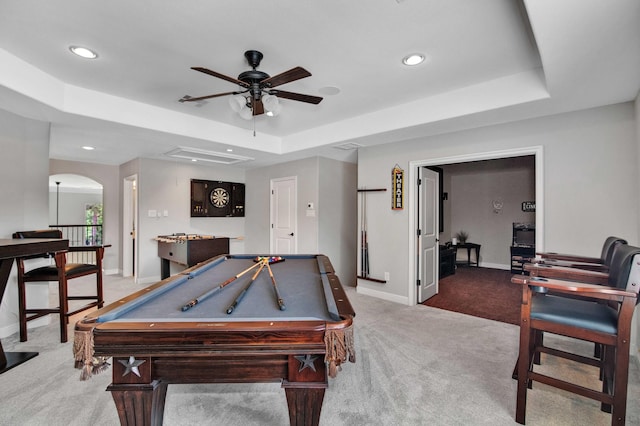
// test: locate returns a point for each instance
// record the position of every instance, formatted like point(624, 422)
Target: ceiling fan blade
point(297, 96)
point(200, 98)
point(286, 77)
point(222, 76)
point(257, 107)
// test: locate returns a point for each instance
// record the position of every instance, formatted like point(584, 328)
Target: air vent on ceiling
point(349, 145)
point(195, 154)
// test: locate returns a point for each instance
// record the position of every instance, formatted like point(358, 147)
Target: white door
point(283, 215)
point(427, 234)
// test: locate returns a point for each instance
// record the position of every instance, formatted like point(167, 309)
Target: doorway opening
point(129, 226)
point(414, 203)
point(76, 208)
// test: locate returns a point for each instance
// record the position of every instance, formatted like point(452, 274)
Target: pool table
point(155, 342)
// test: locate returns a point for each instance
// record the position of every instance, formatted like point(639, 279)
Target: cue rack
point(364, 243)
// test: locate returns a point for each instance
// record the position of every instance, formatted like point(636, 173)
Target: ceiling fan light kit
point(256, 95)
point(237, 103)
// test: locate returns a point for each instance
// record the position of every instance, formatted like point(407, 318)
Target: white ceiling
point(487, 62)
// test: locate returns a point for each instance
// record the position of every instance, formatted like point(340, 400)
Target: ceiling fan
point(257, 87)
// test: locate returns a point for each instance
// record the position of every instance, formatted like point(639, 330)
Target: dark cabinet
point(519, 256)
point(447, 261)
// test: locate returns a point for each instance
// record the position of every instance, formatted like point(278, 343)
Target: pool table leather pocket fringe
point(340, 347)
point(84, 356)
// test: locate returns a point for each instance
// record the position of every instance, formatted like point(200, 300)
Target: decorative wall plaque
point(528, 206)
point(397, 185)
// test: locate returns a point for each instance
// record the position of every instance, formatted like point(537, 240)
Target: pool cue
point(275, 287)
point(213, 291)
point(247, 287)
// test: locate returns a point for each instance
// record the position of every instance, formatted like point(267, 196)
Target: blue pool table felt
point(301, 282)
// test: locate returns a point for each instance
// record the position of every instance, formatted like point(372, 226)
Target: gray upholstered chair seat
point(75, 269)
point(575, 313)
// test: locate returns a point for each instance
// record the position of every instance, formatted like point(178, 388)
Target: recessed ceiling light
point(329, 90)
point(413, 59)
point(229, 150)
point(88, 148)
point(83, 52)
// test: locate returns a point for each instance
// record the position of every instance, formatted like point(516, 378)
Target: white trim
point(295, 213)
point(490, 155)
point(495, 266)
point(129, 217)
point(382, 295)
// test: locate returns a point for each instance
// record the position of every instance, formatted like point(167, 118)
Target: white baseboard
point(495, 266)
point(381, 294)
point(13, 328)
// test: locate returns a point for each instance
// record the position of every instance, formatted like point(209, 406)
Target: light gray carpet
point(416, 366)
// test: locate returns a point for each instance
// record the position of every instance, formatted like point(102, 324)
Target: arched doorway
point(76, 207)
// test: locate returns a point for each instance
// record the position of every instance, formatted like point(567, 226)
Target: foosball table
point(188, 250)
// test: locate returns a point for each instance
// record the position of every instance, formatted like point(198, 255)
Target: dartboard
point(219, 197)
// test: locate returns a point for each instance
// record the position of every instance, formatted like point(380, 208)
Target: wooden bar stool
point(61, 272)
point(602, 315)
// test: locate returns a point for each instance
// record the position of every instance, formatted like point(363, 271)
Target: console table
point(469, 247)
point(9, 250)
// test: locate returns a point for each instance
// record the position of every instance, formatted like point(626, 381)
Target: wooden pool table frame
point(300, 354)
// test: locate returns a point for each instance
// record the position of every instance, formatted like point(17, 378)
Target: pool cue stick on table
point(213, 291)
point(275, 287)
point(247, 287)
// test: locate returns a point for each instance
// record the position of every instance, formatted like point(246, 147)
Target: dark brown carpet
point(481, 292)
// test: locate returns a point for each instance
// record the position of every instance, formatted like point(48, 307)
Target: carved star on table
point(306, 361)
point(131, 365)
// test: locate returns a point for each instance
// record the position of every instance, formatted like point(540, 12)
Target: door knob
point(291, 234)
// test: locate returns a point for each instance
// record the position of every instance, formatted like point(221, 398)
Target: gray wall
point(24, 185)
point(166, 185)
point(258, 204)
point(331, 186)
point(337, 219)
point(590, 184)
point(71, 209)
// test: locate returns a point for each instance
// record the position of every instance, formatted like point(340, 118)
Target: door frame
point(129, 216)
point(272, 213)
point(536, 151)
